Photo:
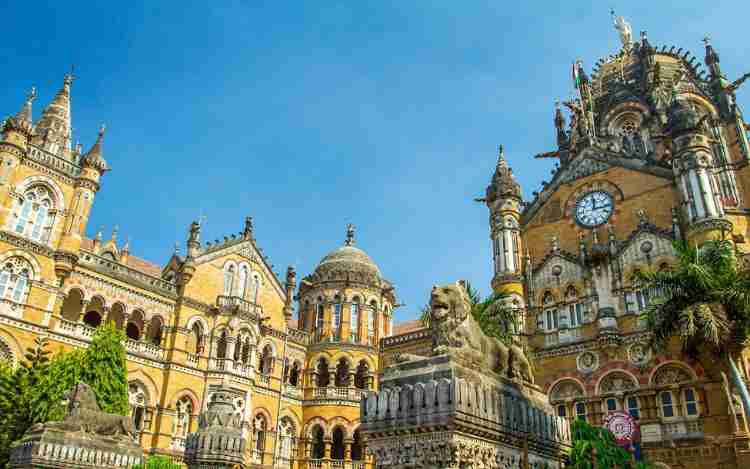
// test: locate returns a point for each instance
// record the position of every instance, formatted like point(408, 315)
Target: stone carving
point(567, 389)
point(639, 354)
point(85, 416)
point(87, 438)
point(587, 362)
point(456, 333)
point(671, 374)
point(616, 382)
point(218, 443)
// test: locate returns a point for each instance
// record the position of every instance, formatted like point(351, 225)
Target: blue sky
point(312, 115)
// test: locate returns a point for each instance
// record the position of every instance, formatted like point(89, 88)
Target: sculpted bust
point(457, 334)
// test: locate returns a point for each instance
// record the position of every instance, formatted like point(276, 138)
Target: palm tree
point(705, 302)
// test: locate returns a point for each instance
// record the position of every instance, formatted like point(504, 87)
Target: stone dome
point(347, 259)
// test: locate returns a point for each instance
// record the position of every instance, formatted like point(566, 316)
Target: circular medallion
point(639, 354)
point(587, 362)
point(594, 209)
point(622, 426)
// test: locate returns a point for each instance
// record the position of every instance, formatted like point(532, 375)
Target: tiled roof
point(407, 326)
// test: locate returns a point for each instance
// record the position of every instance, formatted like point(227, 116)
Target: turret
point(290, 285)
point(16, 132)
point(692, 164)
point(503, 198)
point(187, 270)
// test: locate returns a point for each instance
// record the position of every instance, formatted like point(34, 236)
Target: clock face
point(594, 209)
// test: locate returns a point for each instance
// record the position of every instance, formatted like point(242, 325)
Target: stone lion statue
point(85, 416)
point(455, 332)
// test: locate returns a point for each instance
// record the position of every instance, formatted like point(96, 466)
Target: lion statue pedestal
point(472, 404)
point(85, 438)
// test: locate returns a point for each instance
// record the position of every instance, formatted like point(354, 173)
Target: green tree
point(594, 448)
point(158, 462)
point(17, 395)
point(105, 369)
point(704, 301)
point(424, 315)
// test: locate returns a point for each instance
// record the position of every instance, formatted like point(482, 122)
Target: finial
point(555, 244)
point(32, 95)
point(247, 233)
point(707, 40)
point(99, 234)
point(126, 247)
point(176, 248)
point(349, 235)
point(114, 233)
point(102, 130)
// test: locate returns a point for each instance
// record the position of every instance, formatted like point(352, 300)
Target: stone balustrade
point(84, 332)
point(335, 393)
point(53, 161)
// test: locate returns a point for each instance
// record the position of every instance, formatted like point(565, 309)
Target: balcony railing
point(333, 464)
point(230, 366)
point(239, 306)
point(339, 394)
point(85, 332)
point(53, 161)
point(293, 391)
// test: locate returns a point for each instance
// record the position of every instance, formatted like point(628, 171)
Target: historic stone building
point(656, 150)
point(217, 318)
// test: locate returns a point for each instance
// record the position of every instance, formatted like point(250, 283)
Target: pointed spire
point(54, 127)
point(194, 240)
point(94, 158)
point(247, 233)
point(712, 59)
point(23, 121)
point(126, 247)
point(176, 251)
point(114, 233)
point(503, 183)
point(349, 235)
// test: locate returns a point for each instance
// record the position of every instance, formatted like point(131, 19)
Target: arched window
point(294, 375)
point(134, 328)
point(357, 446)
point(633, 407)
point(246, 351)
point(318, 445)
point(354, 321)
point(32, 217)
point(549, 317)
point(14, 279)
point(242, 281)
point(72, 305)
point(155, 330)
point(184, 409)
point(575, 307)
point(336, 318)
point(323, 379)
point(228, 279)
point(255, 287)
point(342, 373)
point(371, 322)
point(92, 319)
point(286, 442)
point(138, 400)
point(221, 345)
point(562, 410)
point(319, 318)
point(260, 426)
point(196, 333)
point(266, 360)
point(116, 315)
point(361, 377)
point(337, 445)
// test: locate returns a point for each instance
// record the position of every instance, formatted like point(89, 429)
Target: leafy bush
point(158, 462)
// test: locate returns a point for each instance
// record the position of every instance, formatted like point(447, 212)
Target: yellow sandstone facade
point(217, 315)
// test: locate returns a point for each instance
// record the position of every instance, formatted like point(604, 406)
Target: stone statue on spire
point(623, 28)
point(350, 235)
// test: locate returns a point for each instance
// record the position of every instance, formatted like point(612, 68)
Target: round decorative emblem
point(594, 209)
point(622, 425)
point(587, 362)
point(639, 354)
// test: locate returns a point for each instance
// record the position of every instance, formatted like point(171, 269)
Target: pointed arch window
point(228, 279)
point(549, 317)
point(184, 412)
point(336, 318)
point(575, 307)
point(259, 429)
point(15, 279)
point(354, 321)
point(32, 217)
point(286, 442)
point(138, 400)
point(371, 322)
point(242, 281)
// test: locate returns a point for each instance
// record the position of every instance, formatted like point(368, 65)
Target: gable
point(557, 269)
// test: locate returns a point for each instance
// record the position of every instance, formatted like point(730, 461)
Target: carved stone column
point(348, 449)
point(327, 443)
point(84, 304)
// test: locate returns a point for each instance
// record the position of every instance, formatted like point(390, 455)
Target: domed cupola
point(346, 298)
point(347, 263)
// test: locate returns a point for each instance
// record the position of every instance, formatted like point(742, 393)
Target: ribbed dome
point(347, 259)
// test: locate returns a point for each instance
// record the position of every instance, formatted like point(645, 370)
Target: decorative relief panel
point(564, 390)
point(639, 354)
point(671, 374)
point(616, 382)
point(644, 247)
point(556, 271)
point(587, 362)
